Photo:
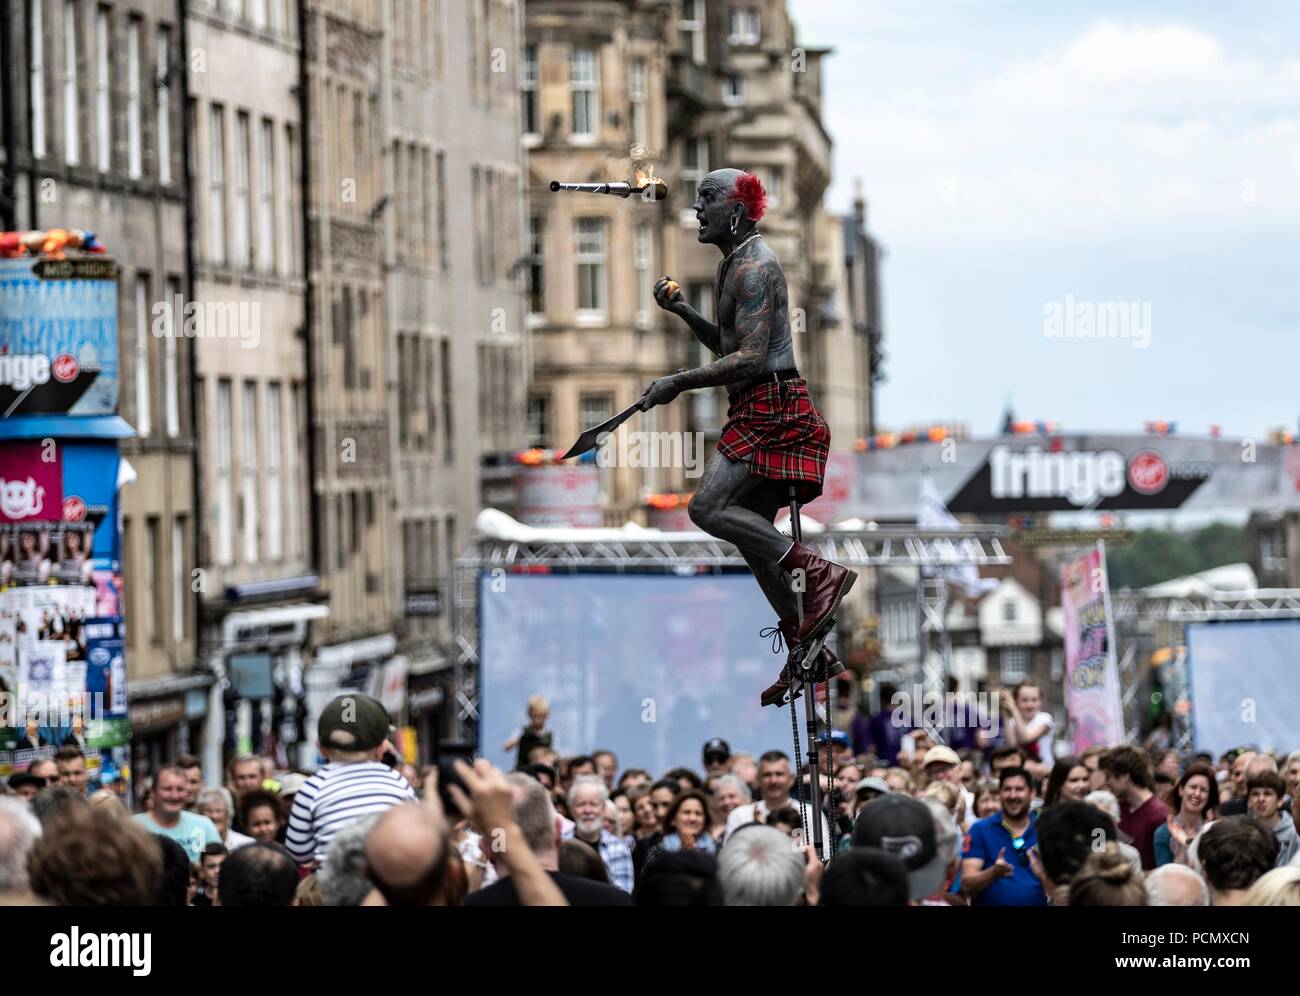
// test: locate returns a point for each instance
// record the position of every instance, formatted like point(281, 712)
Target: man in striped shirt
point(353, 735)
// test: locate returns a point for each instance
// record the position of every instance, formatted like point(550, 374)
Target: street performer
point(774, 438)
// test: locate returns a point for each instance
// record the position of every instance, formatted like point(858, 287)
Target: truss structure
point(980, 546)
point(1145, 623)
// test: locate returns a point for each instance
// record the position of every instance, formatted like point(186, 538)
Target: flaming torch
point(646, 185)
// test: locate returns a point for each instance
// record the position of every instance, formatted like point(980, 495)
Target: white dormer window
point(745, 26)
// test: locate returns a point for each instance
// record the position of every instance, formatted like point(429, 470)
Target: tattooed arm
point(756, 289)
point(673, 300)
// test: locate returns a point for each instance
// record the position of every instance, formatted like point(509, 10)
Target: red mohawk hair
point(749, 191)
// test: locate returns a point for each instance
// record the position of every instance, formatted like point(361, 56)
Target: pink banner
point(1091, 675)
point(31, 486)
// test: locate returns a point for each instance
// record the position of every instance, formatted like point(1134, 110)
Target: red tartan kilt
point(776, 427)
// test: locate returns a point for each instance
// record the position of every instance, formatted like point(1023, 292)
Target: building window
point(266, 198)
point(171, 363)
point(539, 421)
point(225, 496)
point(536, 268)
point(528, 90)
point(594, 409)
point(690, 28)
point(142, 408)
point(744, 26)
point(36, 79)
point(643, 261)
point(583, 82)
point(248, 471)
point(772, 184)
point(590, 237)
point(443, 257)
point(164, 107)
point(151, 561)
point(239, 239)
point(695, 164)
point(295, 449)
point(637, 94)
point(1015, 665)
point(103, 126)
point(289, 229)
point(71, 138)
point(426, 205)
point(179, 588)
point(217, 183)
point(134, 151)
point(444, 360)
point(1272, 551)
point(1009, 611)
point(733, 91)
point(274, 544)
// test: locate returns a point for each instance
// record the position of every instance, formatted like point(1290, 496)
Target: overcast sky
point(1016, 153)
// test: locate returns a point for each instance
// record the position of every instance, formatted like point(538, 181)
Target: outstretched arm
point(756, 296)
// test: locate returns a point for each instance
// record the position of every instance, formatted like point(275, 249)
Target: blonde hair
point(309, 892)
point(1280, 887)
point(1107, 879)
point(908, 780)
point(538, 703)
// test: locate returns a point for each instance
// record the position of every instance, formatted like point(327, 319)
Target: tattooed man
point(774, 438)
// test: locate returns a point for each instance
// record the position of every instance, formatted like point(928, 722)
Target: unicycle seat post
point(810, 707)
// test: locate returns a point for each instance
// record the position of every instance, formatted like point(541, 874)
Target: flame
point(645, 177)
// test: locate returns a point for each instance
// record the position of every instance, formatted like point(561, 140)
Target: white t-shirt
point(1045, 754)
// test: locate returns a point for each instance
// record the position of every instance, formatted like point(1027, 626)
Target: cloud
point(1122, 127)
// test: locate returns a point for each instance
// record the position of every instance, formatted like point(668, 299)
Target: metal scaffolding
point(1141, 618)
point(670, 553)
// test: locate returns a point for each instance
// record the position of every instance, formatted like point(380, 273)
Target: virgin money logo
point(65, 368)
point(1148, 473)
point(74, 509)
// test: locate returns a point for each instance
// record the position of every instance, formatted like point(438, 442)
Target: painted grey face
point(712, 211)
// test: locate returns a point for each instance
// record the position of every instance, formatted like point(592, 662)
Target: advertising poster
point(1092, 696)
point(58, 337)
point(59, 570)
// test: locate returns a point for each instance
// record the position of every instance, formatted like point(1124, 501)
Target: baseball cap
point(872, 785)
point(940, 755)
point(353, 722)
point(838, 737)
point(903, 826)
point(717, 747)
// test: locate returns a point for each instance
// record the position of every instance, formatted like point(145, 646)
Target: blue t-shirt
point(1021, 887)
point(193, 832)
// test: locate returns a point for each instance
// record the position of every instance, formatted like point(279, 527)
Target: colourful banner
point(1091, 674)
point(60, 586)
point(58, 337)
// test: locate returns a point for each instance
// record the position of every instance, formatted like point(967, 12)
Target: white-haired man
point(587, 798)
point(1176, 885)
point(759, 867)
point(19, 832)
